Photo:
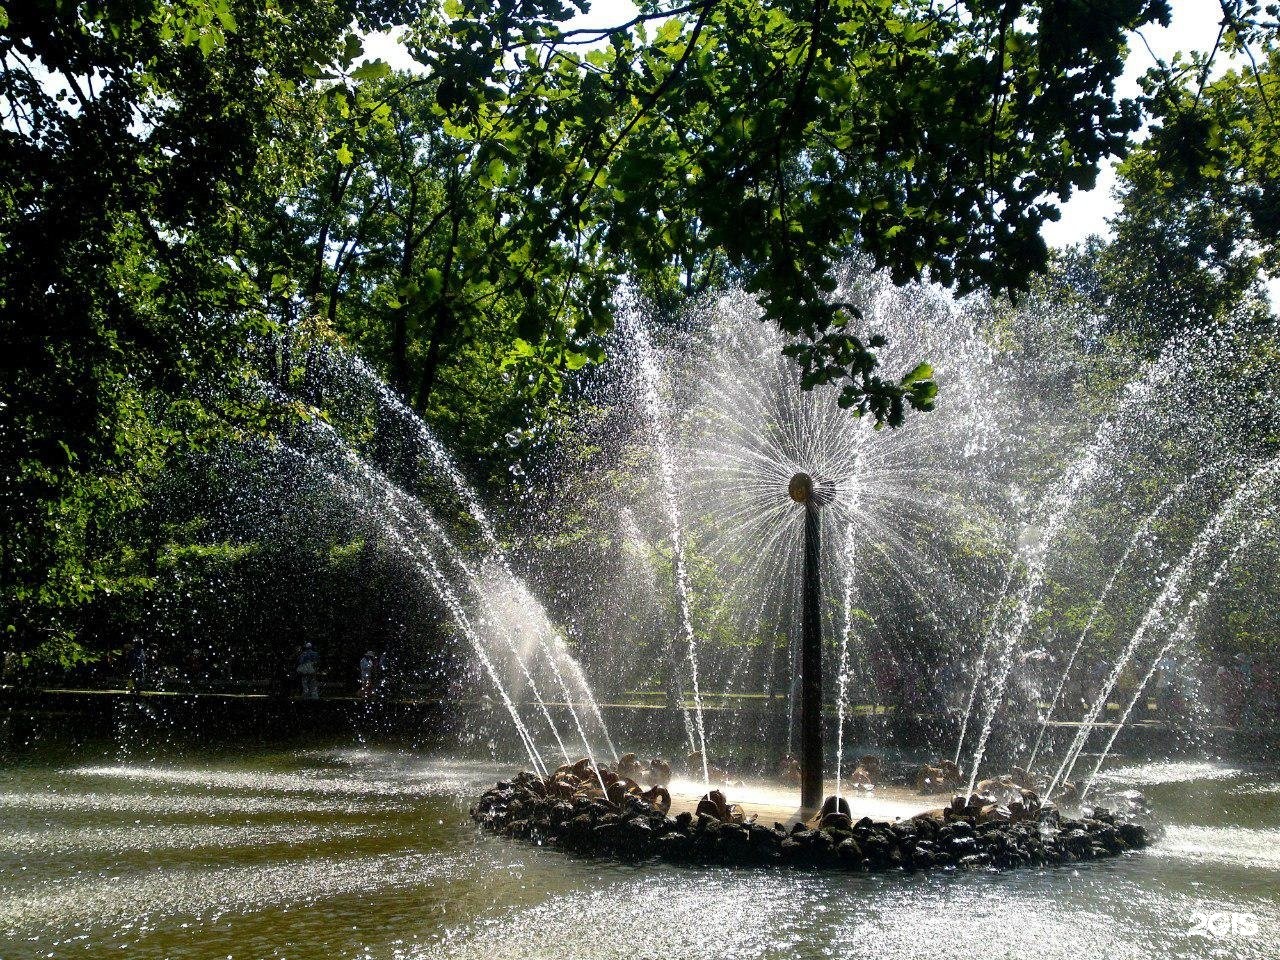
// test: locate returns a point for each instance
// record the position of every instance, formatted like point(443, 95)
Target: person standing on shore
point(309, 671)
point(135, 663)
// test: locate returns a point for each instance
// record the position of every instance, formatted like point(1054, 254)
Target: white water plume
point(1101, 455)
point(657, 423)
point(751, 426)
point(1160, 609)
point(1139, 535)
point(842, 682)
point(1181, 633)
point(524, 624)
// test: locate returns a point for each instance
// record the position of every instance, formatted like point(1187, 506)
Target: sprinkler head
point(801, 488)
point(804, 489)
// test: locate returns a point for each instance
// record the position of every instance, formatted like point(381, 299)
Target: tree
point(194, 191)
point(1200, 197)
point(129, 135)
point(392, 239)
point(781, 135)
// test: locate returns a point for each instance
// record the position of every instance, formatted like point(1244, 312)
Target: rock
point(658, 797)
point(836, 821)
point(792, 850)
point(1133, 834)
point(850, 851)
point(761, 835)
point(629, 766)
point(674, 846)
point(922, 859)
point(903, 830)
point(659, 772)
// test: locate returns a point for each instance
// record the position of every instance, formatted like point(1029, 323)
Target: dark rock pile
point(609, 815)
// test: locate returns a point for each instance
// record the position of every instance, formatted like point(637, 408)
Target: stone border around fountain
point(635, 829)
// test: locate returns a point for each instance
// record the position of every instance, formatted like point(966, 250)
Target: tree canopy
point(197, 195)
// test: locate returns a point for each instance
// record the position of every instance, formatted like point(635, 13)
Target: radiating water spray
point(1036, 556)
point(1097, 457)
point(1179, 635)
point(397, 502)
point(425, 564)
point(548, 639)
point(979, 668)
point(654, 408)
point(752, 426)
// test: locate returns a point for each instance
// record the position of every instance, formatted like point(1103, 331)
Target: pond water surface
point(370, 854)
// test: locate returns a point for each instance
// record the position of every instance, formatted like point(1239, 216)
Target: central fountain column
point(802, 491)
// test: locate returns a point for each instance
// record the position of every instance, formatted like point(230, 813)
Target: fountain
point(720, 413)
point(748, 434)
point(809, 494)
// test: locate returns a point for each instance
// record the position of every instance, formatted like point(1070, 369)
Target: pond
point(368, 853)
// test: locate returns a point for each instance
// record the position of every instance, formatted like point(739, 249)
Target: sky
point(1194, 26)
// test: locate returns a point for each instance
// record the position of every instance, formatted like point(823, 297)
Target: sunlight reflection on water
point(369, 854)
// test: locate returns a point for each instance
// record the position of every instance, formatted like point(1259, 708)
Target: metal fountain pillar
point(805, 492)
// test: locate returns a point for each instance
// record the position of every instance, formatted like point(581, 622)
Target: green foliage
point(933, 139)
point(1200, 198)
point(200, 196)
point(129, 139)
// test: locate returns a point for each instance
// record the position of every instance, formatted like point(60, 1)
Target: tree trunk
point(446, 320)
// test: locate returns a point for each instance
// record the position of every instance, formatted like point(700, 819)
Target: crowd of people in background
point(374, 673)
